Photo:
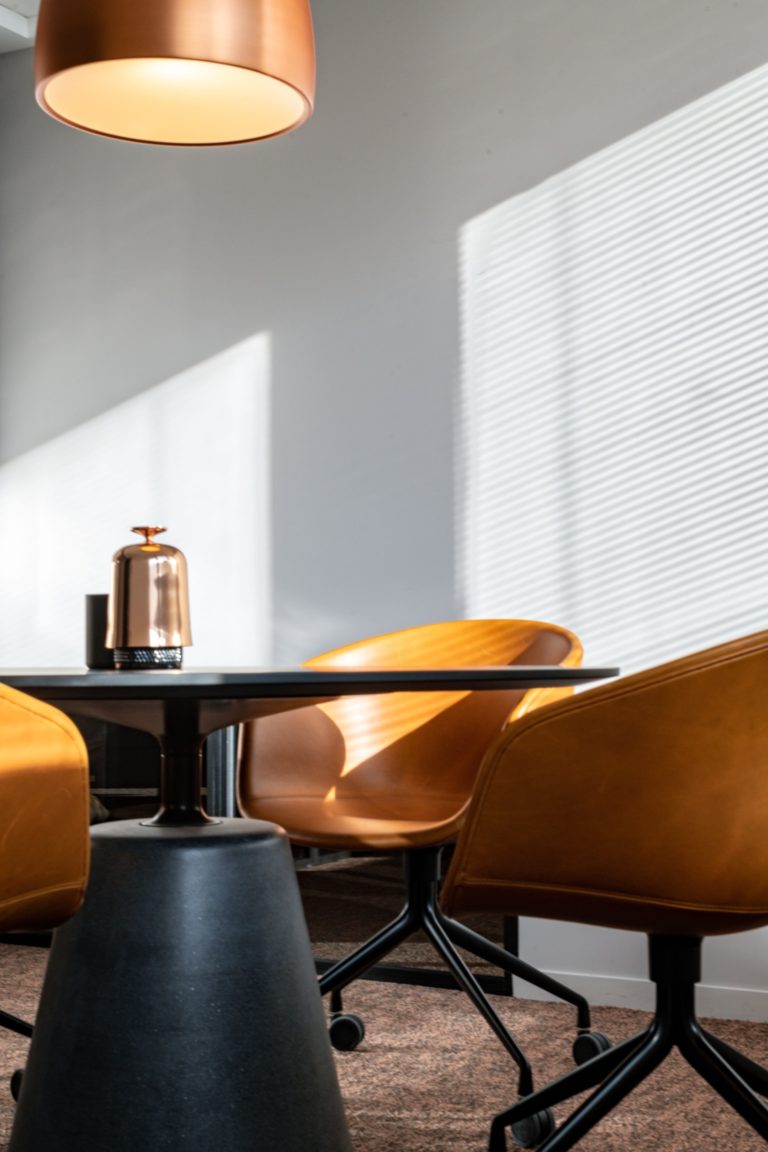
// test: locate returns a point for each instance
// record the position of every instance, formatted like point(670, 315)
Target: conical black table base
point(180, 1010)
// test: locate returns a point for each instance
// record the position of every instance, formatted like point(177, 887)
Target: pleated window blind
point(615, 390)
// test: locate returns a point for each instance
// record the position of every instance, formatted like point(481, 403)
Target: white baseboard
point(627, 992)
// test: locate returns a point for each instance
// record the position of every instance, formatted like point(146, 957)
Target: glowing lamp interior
point(173, 101)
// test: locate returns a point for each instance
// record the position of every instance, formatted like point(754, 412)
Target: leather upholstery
point(640, 804)
point(393, 771)
point(44, 833)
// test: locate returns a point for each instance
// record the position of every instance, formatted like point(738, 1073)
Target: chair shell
point(640, 804)
point(44, 814)
point(394, 771)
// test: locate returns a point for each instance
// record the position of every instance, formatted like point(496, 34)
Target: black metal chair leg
point(14, 1024)
point(654, 1046)
point(753, 1073)
point(709, 1063)
point(487, 950)
point(578, 1080)
point(469, 984)
point(572, 1083)
point(364, 957)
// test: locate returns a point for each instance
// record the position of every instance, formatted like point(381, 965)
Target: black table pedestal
point(186, 985)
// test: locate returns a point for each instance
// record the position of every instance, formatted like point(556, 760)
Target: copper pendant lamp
point(177, 71)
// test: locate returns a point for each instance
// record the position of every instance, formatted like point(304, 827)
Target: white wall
point(192, 452)
point(122, 265)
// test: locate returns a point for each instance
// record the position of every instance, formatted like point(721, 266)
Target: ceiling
point(17, 24)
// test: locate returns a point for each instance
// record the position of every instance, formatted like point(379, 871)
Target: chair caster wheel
point(533, 1129)
point(588, 1045)
point(346, 1031)
point(16, 1079)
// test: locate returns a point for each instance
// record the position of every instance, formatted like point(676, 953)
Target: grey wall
point(122, 264)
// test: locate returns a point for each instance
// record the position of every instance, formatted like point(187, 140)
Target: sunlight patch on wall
point(614, 414)
point(191, 453)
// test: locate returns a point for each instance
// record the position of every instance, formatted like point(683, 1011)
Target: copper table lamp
point(148, 612)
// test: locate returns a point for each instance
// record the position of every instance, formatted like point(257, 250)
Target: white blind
point(615, 390)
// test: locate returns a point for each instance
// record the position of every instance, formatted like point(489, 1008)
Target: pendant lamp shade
point(177, 71)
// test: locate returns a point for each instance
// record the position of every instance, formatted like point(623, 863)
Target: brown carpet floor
point(429, 1074)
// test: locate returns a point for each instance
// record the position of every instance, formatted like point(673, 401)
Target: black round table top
point(209, 699)
point(254, 683)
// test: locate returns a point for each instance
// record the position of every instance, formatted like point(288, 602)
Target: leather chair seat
point(379, 823)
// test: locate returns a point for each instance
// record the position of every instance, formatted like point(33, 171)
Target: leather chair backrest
point(640, 804)
point(424, 747)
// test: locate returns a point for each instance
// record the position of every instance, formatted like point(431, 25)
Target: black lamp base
point(144, 659)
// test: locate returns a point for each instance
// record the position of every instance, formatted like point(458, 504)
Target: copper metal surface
point(149, 598)
point(177, 71)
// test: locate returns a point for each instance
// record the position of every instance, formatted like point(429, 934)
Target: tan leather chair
point(44, 831)
point(393, 774)
point(641, 805)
